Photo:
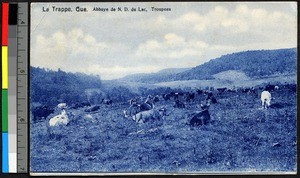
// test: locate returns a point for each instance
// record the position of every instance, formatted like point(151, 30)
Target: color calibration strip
point(9, 87)
point(5, 165)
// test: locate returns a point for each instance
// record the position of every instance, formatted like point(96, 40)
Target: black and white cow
point(201, 118)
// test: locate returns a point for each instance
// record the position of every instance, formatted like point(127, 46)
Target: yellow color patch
point(4, 67)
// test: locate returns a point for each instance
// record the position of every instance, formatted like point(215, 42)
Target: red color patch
point(4, 24)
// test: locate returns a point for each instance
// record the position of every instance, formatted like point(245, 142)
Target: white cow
point(62, 105)
point(265, 99)
point(61, 119)
point(148, 115)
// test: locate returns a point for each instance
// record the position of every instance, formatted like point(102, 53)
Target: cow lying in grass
point(61, 119)
point(149, 115)
point(92, 108)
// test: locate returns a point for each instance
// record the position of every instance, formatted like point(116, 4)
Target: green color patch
point(4, 111)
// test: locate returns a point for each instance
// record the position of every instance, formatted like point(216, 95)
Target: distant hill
point(255, 64)
point(153, 77)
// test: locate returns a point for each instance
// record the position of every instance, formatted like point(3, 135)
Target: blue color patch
point(5, 153)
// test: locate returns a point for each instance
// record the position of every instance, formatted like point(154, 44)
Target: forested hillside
point(254, 64)
point(257, 63)
point(51, 87)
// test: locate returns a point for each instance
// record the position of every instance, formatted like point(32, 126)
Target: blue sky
point(115, 44)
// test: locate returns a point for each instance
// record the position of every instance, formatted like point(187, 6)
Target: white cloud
point(171, 47)
point(67, 50)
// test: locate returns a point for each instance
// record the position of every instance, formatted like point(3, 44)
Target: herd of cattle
point(142, 110)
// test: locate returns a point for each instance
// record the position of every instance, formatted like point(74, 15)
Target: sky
point(115, 44)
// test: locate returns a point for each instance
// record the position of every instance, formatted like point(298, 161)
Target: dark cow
point(80, 105)
point(167, 96)
point(179, 104)
point(221, 90)
point(292, 87)
point(86, 103)
point(148, 104)
point(202, 118)
point(210, 98)
point(145, 106)
point(106, 101)
point(190, 96)
point(136, 100)
point(41, 112)
point(232, 90)
point(270, 87)
point(76, 105)
point(200, 92)
point(176, 95)
point(156, 98)
point(260, 87)
point(92, 108)
point(249, 90)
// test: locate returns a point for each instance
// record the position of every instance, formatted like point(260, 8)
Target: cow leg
point(268, 103)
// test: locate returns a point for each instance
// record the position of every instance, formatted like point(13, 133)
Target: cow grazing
point(176, 95)
point(201, 118)
point(211, 99)
point(179, 104)
point(76, 105)
point(270, 88)
point(166, 96)
point(61, 119)
point(86, 103)
point(265, 99)
point(149, 115)
point(291, 87)
point(92, 108)
point(232, 90)
point(221, 90)
point(106, 101)
point(200, 92)
point(80, 105)
point(249, 90)
point(156, 99)
point(41, 112)
point(190, 97)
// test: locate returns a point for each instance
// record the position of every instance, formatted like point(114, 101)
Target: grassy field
point(224, 79)
point(241, 137)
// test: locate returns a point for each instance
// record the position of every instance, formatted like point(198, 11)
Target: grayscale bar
point(22, 88)
point(12, 98)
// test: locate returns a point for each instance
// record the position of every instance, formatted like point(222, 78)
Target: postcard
point(163, 88)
